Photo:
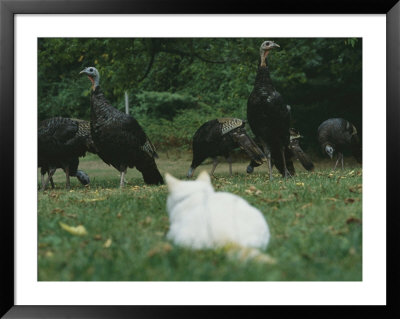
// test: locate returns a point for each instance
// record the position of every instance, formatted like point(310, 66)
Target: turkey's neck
point(263, 79)
point(99, 104)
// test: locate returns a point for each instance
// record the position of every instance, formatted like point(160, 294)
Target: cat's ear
point(203, 176)
point(171, 181)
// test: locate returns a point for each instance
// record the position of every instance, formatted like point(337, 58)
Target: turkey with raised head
point(120, 140)
point(220, 137)
point(269, 116)
point(338, 134)
point(61, 141)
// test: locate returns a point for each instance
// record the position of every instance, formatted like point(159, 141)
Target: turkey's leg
point(267, 153)
point(215, 163)
point(122, 180)
point(229, 159)
point(342, 160)
point(337, 161)
point(67, 184)
point(51, 179)
point(52, 183)
point(51, 173)
point(42, 180)
point(287, 174)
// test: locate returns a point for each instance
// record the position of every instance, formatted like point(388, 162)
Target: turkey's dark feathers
point(121, 141)
point(298, 153)
point(341, 135)
point(214, 138)
point(269, 118)
point(61, 141)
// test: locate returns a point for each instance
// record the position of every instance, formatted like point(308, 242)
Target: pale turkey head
point(93, 75)
point(329, 150)
point(265, 47)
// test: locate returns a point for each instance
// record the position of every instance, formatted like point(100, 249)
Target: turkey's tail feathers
point(245, 254)
point(150, 149)
point(250, 147)
point(302, 157)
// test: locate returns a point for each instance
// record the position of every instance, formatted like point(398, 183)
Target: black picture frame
point(8, 10)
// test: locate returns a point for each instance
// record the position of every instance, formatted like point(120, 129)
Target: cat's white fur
point(202, 218)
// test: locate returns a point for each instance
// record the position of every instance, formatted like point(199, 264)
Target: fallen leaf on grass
point(57, 210)
point(349, 200)
point(161, 248)
point(49, 254)
point(353, 220)
point(332, 199)
point(300, 184)
point(94, 199)
point(135, 188)
point(356, 189)
point(107, 243)
point(119, 215)
point(146, 221)
point(306, 205)
point(339, 178)
point(253, 190)
point(97, 237)
point(79, 230)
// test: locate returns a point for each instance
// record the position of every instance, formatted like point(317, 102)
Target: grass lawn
point(315, 221)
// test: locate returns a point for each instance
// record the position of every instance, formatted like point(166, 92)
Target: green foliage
point(162, 104)
point(170, 78)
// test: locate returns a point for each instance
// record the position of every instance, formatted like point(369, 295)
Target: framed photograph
point(110, 113)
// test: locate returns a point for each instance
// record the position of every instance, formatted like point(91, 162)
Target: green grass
point(315, 221)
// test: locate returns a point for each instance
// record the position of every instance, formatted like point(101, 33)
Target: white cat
point(202, 218)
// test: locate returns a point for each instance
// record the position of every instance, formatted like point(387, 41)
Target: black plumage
point(120, 140)
point(297, 152)
point(269, 116)
point(61, 141)
point(220, 137)
point(293, 151)
point(338, 134)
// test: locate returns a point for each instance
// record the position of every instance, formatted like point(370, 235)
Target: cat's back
point(233, 219)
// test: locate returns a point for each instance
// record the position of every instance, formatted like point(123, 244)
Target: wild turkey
point(339, 135)
point(297, 152)
point(218, 138)
point(120, 140)
point(61, 141)
point(269, 116)
point(294, 151)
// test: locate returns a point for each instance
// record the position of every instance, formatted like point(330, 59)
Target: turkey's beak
point(275, 45)
point(83, 72)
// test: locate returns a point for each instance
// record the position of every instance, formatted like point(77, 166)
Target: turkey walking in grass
point(294, 151)
point(338, 135)
point(268, 115)
point(220, 137)
point(61, 141)
point(120, 140)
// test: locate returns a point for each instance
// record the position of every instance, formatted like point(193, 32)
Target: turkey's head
point(93, 75)
point(329, 150)
point(265, 47)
